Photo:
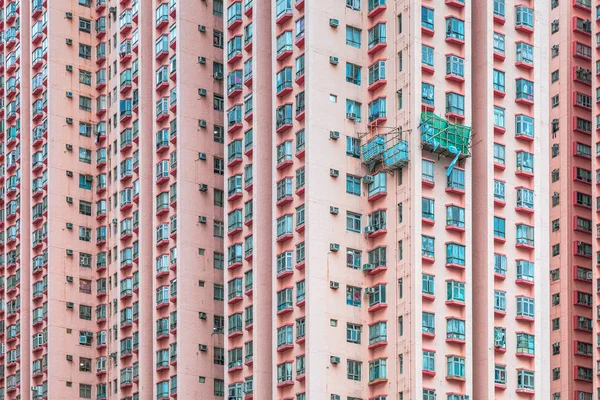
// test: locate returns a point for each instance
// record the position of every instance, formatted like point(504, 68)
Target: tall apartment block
point(112, 199)
point(511, 230)
point(594, 318)
point(570, 203)
point(394, 253)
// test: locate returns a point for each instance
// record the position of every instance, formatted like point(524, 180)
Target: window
point(524, 17)
point(353, 36)
point(455, 291)
point(499, 8)
point(455, 329)
point(524, 90)
point(218, 8)
point(428, 361)
point(555, 76)
point(499, 120)
point(499, 227)
point(428, 284)
point(85, 51)
point(85, 77)
point(499, 43)
point(427, 56)
point(353, 222)
point(353, 73)
point(353, 185)
point(427, 94)
point(428, 207)
point(428, 245)
point(377, 370)
point(499, 80)
point(500, 374)
point(428, 323)
point(525, 307)
point(456, 366)
point(524, 53)
point(427, 18)
point(85, 25)
point(353, 4)
point(455, 103)
point(85, 312)
point(353, 296)
point(455, 66)
point(85, 391)
point(499, 190)
point(499, 301)
point(377, 35)
point(353, 258)
point(456, 179)
point(427, 173)
point(354, 369)
point(525, 379)
point(353, 333)
point(85, 103)
point(455, 29)
point(525, 162)
point(352, 147)
point(353, 110)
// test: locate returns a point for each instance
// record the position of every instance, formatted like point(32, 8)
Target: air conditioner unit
point(82, 340)
point(218, 76)
point(69, 95)
point(69, 147)
point(334, 210)
point(334, 247)
point(69, 68)
point(201, 156)
point(69, 225)
point(334, 23)
point(89, 178)
point(369, 290)
point(69, 42)
point(70, 304)
point(334, 173)
point(368, 179)
point(201, 28)
point(69, 278)
point(335, 397)
point(369, 229)
point(201, 60)
point(368, 267)
point(70, 200)
point(69, 15)
point(69, 121)
point(333, 60)
point(202, 219)
point(203, 187)
point(202, 315)
point(335, 135)
point(334, 285)
point(202, 123)
point(69, 252)
point(203, 347)
point(202, 92)
point(498, 343)
point(334, 359)
point(69, 357)
point(351, 116)
point(70, 174)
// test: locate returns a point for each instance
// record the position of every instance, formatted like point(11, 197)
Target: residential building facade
point(101, 143)
point(570, 203)
point(376, 127)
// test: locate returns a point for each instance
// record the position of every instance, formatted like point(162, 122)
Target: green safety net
point(440, 135)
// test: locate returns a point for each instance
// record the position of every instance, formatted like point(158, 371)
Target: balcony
point(283, 11)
